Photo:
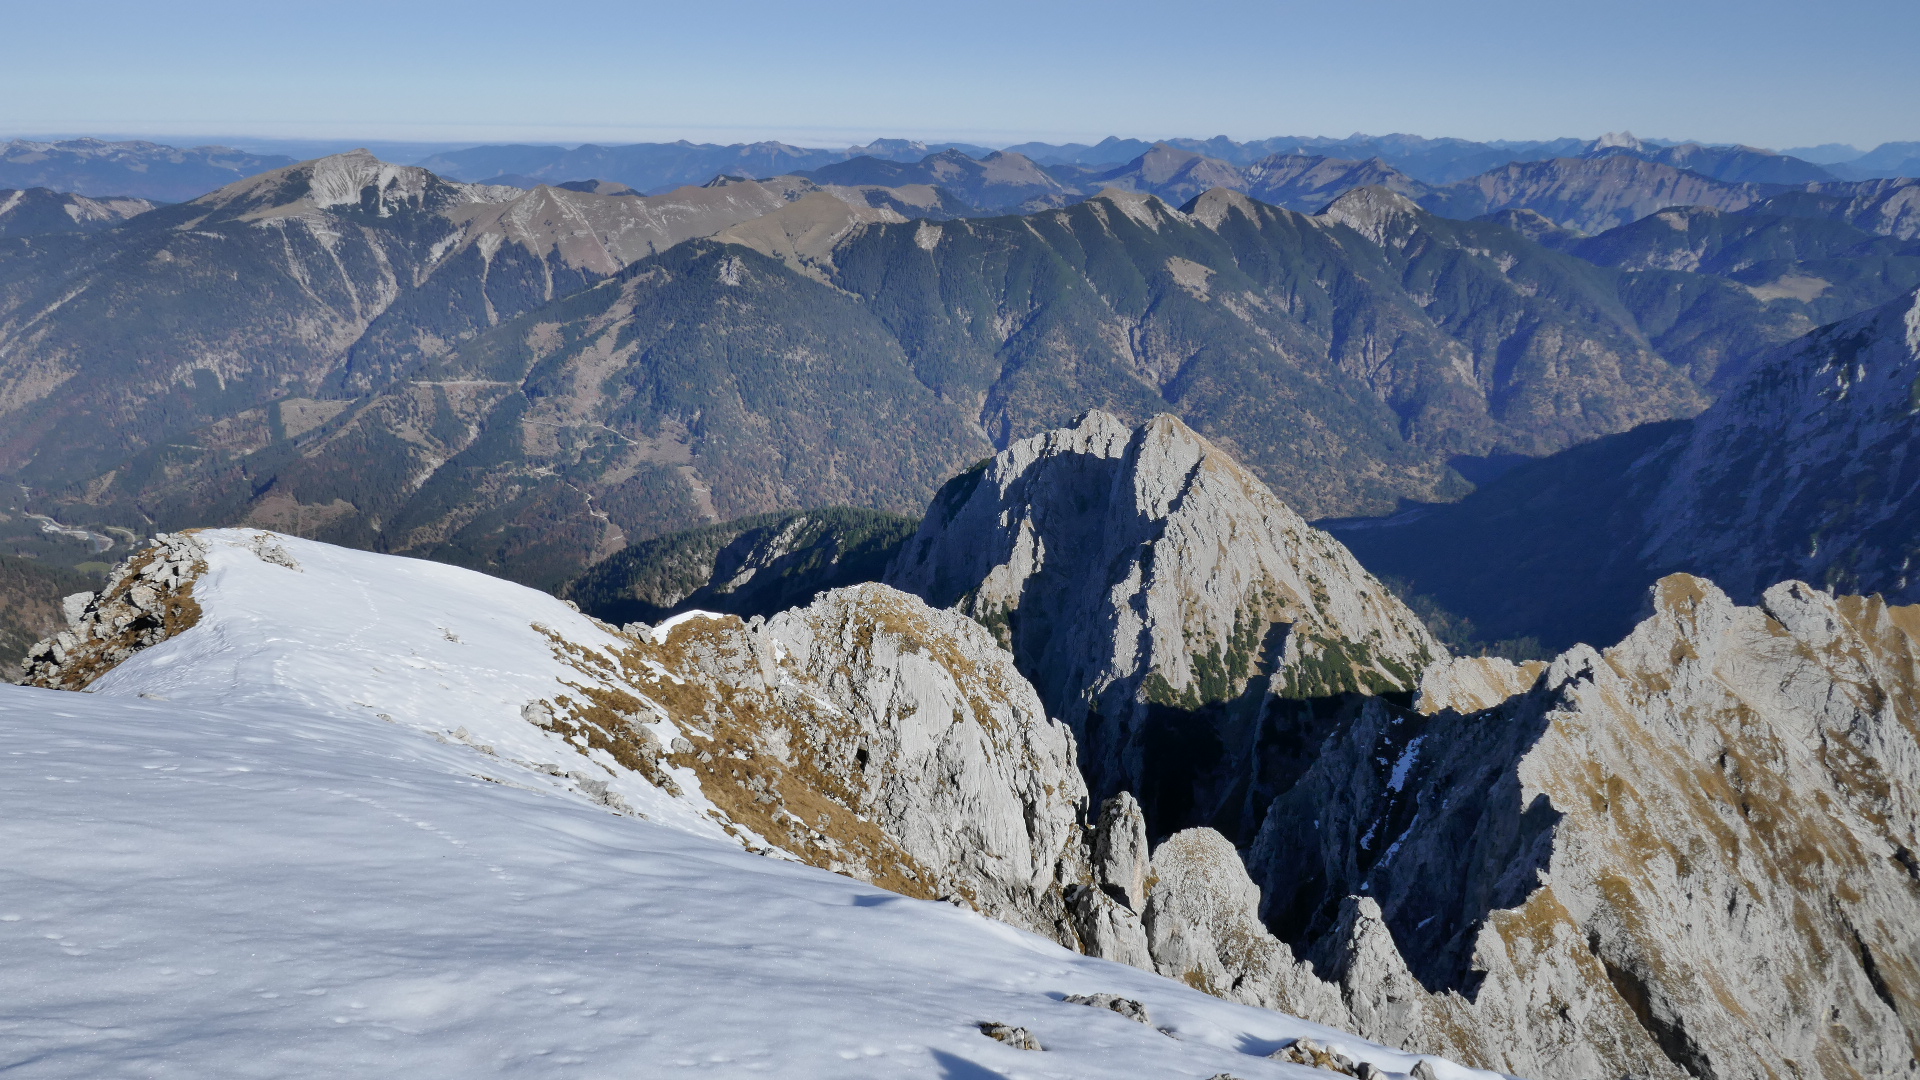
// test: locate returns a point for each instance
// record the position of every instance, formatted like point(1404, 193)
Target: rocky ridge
point(1652, 861)
point(35, 211)
point(864, 733)
point(1688, 855)
point(147, 599)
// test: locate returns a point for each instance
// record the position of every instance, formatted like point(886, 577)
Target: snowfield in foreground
point(258, 849)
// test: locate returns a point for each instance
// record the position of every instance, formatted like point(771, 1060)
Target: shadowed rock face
point(1771, 483)
point(1151, 587)
point(1691, 854)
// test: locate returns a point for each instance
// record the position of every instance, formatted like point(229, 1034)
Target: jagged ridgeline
point(1690, 855)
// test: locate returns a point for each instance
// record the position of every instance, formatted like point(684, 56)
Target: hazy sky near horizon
point(1762, 72)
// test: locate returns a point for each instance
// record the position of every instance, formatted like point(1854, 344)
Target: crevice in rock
point(1905, 857)
point(1875, 977)
point(1670, 1035)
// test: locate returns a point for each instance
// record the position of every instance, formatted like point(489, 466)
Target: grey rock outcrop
point(1120, 855)
point(872, 735)
point(1203, 928)
point(147, 599)
point(1106, 914)
point(1472, 683)
point(944, 746)
point(1126, 1007)
point(1139, 576)
point(1691, 854)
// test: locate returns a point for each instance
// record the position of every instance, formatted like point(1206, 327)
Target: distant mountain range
point(526, 381)
point(658, 167)
point(130, 169)
point(375, 354)
point(170, 174)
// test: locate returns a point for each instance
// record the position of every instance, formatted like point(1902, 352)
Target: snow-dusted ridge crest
point(329, 794)
point(788, 737)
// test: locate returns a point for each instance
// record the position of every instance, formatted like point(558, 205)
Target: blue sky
point(995, 72)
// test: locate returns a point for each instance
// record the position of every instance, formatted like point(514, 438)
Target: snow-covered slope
point(309, 834)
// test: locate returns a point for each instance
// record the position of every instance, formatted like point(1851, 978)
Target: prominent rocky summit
point(1147, 584)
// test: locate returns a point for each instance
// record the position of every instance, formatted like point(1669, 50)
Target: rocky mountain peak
point(1143, 579)
point(1148, 210)
point(1374, 212)
point(1212, 206)
point(353, 179)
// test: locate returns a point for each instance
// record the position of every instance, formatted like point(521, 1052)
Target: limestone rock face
point(1203, 927)
point(1472, 683)
point(955, 757)
point(1120, 856)
point(873, 736)
point(1689, 854)
point(1738, 786)
point(1140, 576)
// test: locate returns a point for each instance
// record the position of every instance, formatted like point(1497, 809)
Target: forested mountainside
point(762, 565)
point(1802, 469)
point(529, 381)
